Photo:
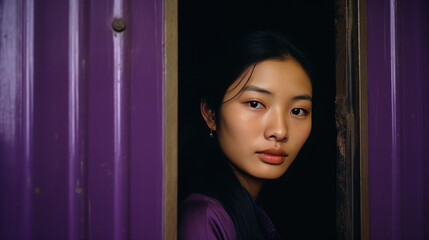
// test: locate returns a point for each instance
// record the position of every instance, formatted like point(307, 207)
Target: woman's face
point(263, 128)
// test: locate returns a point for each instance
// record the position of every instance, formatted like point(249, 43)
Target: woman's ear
point(208, 115)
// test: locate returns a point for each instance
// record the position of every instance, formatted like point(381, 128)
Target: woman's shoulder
point(204, 217)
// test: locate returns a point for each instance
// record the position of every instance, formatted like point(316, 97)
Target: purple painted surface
point(78, 124)
point(413, 71)
point(146, 102)
point(379, 120)
point(101, 121)
point(16, 82)
point(81, 132)
point(398, 82)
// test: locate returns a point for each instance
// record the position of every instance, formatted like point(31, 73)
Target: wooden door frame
point(170, 118)
point(351, 120)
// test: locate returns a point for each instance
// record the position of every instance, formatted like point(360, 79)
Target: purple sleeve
point(204, 219)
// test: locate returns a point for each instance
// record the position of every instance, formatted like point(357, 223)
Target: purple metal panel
point(398, 118)
point(101, 121)
point(412, 40)
point(121, 134)
point(129, 109)
point(146, 171)
point(81, 135)
point(51, 137)
point(16, 121)
point(379, 120)
point(77, 125)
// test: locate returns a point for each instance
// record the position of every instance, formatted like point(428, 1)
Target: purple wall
point(398, 86)
point(81, 117)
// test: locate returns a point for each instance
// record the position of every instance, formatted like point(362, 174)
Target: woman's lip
point(272, 158)
point(273, 151)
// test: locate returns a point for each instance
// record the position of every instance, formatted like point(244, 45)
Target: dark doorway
point(302, 202)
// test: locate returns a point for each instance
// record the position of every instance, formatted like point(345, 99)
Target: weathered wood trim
point(351, 120)
point(170, 118)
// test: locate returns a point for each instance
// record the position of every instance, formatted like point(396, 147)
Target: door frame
point(170, 118)
point(352, 121)
point(352, 211)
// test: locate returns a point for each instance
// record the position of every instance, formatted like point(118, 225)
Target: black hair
point(228, 61)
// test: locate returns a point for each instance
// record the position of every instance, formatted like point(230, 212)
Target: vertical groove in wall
point(121, 127)
point(28, 45)
point(396, 175)
point(77, 186)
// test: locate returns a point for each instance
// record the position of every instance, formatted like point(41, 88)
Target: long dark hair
point(229, 59)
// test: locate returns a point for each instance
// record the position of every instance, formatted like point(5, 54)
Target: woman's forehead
point(273, 77)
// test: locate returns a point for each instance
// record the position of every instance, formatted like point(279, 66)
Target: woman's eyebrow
point(303, 97)
point(262, 90)
point(257, 89)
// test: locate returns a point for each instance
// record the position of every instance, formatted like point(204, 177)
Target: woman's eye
point(299, 112)
point(255, 104)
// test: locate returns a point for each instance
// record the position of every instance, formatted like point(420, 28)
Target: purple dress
point(204, 218)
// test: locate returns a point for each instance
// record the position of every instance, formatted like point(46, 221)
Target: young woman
point(257, 107)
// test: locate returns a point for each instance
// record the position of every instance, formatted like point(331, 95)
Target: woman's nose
point(276, 128)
